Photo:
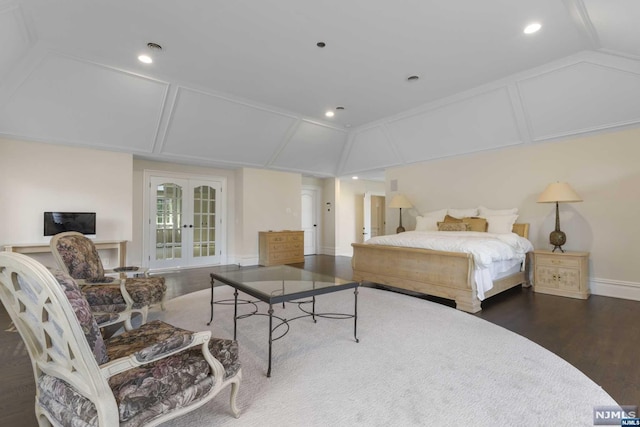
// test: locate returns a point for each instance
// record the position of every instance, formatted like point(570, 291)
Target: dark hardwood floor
point(599, 336)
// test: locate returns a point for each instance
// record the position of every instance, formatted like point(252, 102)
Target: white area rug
point(418, 363)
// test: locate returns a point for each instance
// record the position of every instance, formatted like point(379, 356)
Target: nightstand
point(561, 273)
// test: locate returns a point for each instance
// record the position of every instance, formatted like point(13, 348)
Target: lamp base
point(557, 238)
point(400, 229)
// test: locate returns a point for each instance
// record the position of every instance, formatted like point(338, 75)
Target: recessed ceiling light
point(339, 108)
point(532, 28)
point(329, 113)
point(413, 78)
point(354, 177)
point(145, 58)
point(321, 44)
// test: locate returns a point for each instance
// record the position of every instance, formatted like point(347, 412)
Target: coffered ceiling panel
point(249, 83)
point(205, 126)
point(14, 36)
point(579, 98)
point(616, 23)
point(370, 148)
point(482, 122)
point(313, 147)
point(69, 101)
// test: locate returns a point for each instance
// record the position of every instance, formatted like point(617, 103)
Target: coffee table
point(281, 284)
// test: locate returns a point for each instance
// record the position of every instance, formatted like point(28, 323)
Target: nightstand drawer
point(552, 261)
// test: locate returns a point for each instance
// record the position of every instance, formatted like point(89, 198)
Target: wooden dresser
point(281, 247)
point(565, 274)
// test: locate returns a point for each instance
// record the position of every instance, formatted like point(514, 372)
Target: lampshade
point(559, 192)
point(399, 201)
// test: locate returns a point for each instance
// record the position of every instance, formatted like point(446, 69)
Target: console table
point(41, 248)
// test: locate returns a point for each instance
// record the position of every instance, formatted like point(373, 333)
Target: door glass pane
point(204, 233)
point(168, 221)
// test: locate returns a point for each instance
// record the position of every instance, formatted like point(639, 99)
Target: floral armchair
point(77, 256)
point(141, 377)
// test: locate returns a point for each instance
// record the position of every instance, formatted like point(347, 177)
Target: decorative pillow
point(427, 223)
point(501, 224)
point(449, 218)
point(453, 226)
point(485, 212)
point(476, 223)
point(461, 213)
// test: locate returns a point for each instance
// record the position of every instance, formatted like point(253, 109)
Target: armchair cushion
point(65, 403)
point(84, 315)
point(104, 298)
point(146, 290)
point(149, 341)
point(172, 381)
point(80, 256)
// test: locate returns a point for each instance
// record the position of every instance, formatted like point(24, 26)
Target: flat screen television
point(57, 222)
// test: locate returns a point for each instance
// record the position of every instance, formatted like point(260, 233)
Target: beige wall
point(267, 200)
point(603, 169)
point(330, 194)
point(350, 212)
point(39, 177)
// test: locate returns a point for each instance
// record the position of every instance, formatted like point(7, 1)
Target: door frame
point(146, 219)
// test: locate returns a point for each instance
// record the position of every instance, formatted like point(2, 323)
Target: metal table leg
point(235, 312)
point(355, 314)
point(211, 318)
point(270, 337)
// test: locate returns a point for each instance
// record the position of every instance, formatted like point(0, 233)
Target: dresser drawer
point(281, 247)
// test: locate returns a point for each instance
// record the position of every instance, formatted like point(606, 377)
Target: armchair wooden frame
point(58, 346)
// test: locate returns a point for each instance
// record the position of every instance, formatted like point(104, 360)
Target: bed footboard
point(443, 274)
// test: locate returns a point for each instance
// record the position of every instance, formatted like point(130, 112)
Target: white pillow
point(427, 223)
point(485, 212)
point(461, 213)
point(440, 213)
point(501, 224)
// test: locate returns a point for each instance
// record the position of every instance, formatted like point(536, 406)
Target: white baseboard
point(245, 261)
point(615, 288)
point(328, 250)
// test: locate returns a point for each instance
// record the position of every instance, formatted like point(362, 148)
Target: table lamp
point(558, 192)
point(399, 201)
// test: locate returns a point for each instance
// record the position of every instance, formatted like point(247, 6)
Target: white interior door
point(204, 223)
point(184, 222)
point(309, 218)
point(166, 220)
point(373, 219)
point(366, 223)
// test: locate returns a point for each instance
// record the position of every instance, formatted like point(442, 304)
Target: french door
point(185, 223)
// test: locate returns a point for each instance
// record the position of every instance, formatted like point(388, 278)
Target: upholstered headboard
point(521, 229)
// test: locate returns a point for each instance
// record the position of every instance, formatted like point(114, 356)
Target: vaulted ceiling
point(244, 82)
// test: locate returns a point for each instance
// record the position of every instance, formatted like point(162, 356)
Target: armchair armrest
point(152, 342)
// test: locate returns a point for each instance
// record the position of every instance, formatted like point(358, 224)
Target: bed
point(444, 274)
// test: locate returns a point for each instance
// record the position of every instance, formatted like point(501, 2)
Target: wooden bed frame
point(443, 274)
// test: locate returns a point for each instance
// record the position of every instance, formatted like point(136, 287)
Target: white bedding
point(490, 251)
